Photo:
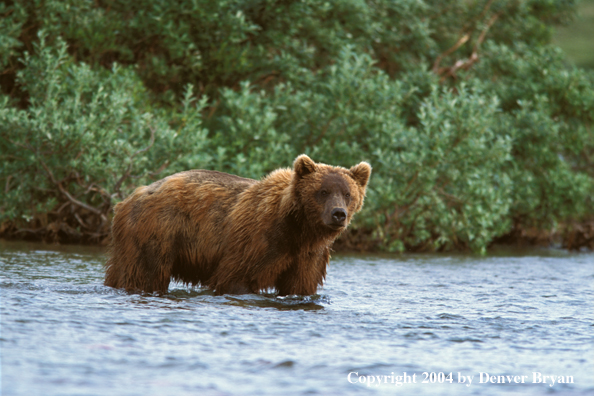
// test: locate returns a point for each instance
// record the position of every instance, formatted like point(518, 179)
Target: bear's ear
point(361, 173)
point(304, 165)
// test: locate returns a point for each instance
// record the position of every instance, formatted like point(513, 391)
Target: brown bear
point(235, 235)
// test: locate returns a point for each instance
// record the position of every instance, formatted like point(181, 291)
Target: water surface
point(507, 315)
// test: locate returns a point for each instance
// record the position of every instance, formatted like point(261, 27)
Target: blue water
point(507, 315)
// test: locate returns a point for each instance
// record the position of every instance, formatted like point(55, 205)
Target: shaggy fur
point(232, 234)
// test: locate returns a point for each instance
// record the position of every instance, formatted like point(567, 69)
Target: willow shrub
point(548, 111)
point(474, 124)
point(85, 140)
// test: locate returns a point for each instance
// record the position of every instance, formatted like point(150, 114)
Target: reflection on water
point(455, 324)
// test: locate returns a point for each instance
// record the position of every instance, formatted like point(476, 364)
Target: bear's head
point(330, 195)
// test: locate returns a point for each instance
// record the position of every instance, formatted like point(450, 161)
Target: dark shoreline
point(572, 236)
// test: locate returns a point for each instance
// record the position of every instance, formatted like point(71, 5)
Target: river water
point(455, 324)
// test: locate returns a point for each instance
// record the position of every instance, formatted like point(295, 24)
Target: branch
point(62, 207)
point(445, 71)
point(485, 9)
point(77, 217)
point(458, 44)
point(213, 108)
point(67, 195)
point(159, 170)
point(32, 231)
point(79, 203)
point(152, 141)
point(118, 185)
point(473, 58)
point(484, 32)
point(97, 188)
point(7, 186)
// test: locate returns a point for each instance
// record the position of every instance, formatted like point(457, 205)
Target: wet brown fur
point(232, 234)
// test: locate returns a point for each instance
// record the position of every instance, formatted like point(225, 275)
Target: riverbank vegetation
point(477, 127)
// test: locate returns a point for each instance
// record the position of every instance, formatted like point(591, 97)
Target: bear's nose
point(339, 215)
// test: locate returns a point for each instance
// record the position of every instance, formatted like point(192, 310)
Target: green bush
point(549, 111)
point(474, 124)
point(86, 137)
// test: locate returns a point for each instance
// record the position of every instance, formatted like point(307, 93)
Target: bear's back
point(198, 177)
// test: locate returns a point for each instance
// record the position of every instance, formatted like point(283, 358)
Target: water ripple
point(63, 332)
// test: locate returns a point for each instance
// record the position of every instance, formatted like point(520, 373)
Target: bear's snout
point(339, 216)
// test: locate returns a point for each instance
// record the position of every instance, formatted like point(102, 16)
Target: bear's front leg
point(303, 277)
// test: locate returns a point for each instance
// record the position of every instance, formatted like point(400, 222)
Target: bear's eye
point(348, 195)
point(324, 193)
